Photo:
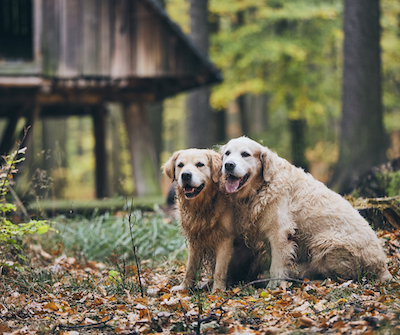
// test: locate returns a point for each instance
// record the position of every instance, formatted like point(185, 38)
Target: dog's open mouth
point(234, 183)
point(191, 192)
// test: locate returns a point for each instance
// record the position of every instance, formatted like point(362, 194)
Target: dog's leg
point(192, 270)
point(223, 257)
point(283, 247)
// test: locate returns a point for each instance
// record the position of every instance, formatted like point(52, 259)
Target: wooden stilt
point(101, 178)
point(143, 154)
point(9, 138)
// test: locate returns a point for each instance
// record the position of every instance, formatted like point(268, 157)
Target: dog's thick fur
point(206, 217)
point(302, 219)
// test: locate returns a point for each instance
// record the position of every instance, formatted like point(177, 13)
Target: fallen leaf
point(305, 322)
point(52, 306)
point(4, 329)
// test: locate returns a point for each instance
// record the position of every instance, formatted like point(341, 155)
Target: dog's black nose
point(186, 176)
point(229, 166)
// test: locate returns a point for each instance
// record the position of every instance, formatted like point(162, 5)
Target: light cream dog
point(300, 216)
point(205, 213)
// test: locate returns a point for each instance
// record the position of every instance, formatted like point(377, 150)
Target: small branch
point(184, 314)
point(101, 324)
point(135, 254)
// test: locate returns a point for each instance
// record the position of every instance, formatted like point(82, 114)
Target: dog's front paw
point(273, 284)
point(179, 288)
point(218, 287)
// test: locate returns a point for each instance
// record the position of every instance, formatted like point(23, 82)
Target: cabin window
point(16, 33)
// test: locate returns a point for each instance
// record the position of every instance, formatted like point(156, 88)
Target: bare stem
point(135, 253)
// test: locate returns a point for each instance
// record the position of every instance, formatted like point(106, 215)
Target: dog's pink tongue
point(232, 184)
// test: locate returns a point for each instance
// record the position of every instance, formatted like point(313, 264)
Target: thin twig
point(91, 326)
point(135, 254)
point(184, 314)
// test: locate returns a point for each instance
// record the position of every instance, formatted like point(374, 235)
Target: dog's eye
point(199, 164)
point(180, 165)
point(245, 154)
point(227, 153)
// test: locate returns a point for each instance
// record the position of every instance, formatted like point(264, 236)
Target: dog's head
point(195, 170)
point(246, 163)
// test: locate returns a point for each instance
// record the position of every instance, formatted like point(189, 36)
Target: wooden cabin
point(70, 57)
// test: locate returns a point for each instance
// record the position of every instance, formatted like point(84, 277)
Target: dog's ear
point(221, 149)
point(169, 166)
point(268, 163)
point(215, 164)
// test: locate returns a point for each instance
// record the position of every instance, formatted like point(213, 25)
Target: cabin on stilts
point(71, 57)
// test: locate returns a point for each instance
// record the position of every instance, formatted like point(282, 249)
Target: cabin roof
point(102, 50)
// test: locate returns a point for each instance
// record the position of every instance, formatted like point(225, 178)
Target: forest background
point(282, 64)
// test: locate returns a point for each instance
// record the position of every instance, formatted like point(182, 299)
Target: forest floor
point(61, 294)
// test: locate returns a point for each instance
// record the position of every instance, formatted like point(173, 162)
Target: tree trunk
point(154, 113)
point(256, 114)
point(219, 120)
point(199, 117)
point(101, 175)
point(114, 124)
point(362, 139)
point(54, 137)
point(143, 156)
point(233, 121)
point(298, 143)
point(244, 120)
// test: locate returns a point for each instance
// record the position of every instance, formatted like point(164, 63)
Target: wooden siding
point(111, 38)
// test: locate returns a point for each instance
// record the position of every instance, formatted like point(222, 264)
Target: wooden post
point(143, 157)
point(32, 116)
point(9, 139)
point(101, 178)
point(30, 122)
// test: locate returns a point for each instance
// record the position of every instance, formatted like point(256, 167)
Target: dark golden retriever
point(206, 217)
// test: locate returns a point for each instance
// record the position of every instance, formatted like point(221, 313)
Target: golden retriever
point(206, 217)
point(300, 216)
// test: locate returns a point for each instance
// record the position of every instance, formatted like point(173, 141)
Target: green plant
point(9, 232)
point(393, 189)
point(389, 181)
point(101, 235)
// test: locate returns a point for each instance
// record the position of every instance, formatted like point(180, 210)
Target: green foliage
point(394, 184)
point(100, 236)
point(9, 232)
point(390, 44)
point(390, 182)
point(288, 49)
point(291, 51)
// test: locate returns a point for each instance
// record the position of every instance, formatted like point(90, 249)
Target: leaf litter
point(59, 294)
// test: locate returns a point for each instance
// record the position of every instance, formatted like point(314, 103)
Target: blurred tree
point(390, 44)
point(154, 115)
point(54, 140)
point(199, 117)
point(121, 182)
point(362, 138)
point(260, 58)
point(143, 156)
point(286, 51)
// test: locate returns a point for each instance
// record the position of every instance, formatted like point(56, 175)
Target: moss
point(389, 181)
point(393, 187)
